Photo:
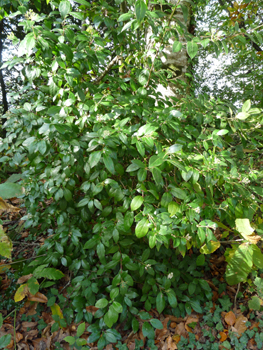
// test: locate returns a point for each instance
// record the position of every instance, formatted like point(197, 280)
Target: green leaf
point(239, 265)
point(1, 320)
point(114, 293)
point(6, 245)
point(192, 49)
point(109, 163)
point(136, 203)
point(117, 307)
point(135, 325)
point(70, 340)
point(101, 303)
point(246, 106)
point(160, 302)
point(148, 331)
point(140, 10)
point(5, 340)
point(67, 194)
point(10, 190)
point(257, 256)
point(173, 208)
point(177, 192)
point(156, 323)
point(157, 175)
point(166, 200)
point(49, 273)
point(155, 161)
point(81, 329)
point(200, 261)
point(94, 158)
point(196, 306)
point(177, 46)
point(254, 303)
point(243, 226)
point(111, 317)
point(144, 76)
point(64, 8)
point(125, 17)
point(172, 300)
point(174, 148)
point(101, 251)
point(142, 228)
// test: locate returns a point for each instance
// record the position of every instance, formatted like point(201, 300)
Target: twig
point(107, 69)
point(235, 300)
point(15, 331)
point(232, 241)
point(19, 261)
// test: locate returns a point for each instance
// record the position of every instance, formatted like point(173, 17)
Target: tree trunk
point(174, 62)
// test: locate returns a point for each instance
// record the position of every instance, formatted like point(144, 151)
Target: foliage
point(122, 181)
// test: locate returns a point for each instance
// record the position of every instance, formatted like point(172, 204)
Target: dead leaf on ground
point(180, 330)
point(223, 336)
point(4, 206)
point(169, 344)
point(240, 325)
point(230, 318)
point(38, 297)
point(190, 320)
point(92, 309)
point(23, 279)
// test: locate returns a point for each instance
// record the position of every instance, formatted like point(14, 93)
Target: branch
point(241, 25)
point(106, 71)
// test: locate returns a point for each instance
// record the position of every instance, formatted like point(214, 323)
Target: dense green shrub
point(121, 181)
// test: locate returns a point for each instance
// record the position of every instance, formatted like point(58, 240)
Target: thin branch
point(106, 71)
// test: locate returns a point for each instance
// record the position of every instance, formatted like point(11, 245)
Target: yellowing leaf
point(243, 226)
point(209, 250)
point(56, 310)
point(21, 293)
point(6, 245)
point(4, 206)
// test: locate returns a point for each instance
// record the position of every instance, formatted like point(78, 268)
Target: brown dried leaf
point(171, 345)
point(240, 325)
point(223, 336)
point(92, 309)
point(190, 319)
point(4, 206)
point(230, 318)
point(38, 297)
point(23, 279)
point(180, 330)
point(19, 337)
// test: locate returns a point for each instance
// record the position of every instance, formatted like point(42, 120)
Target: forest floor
point(226, 323)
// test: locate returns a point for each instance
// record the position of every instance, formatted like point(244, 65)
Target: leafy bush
point(120, 180)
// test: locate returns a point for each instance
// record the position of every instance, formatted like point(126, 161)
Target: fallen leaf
point(176, 338)
point(223, 336)
point(38, 297)
point(92, 309)
point(240, 325)
point(230, 318)
point(23, 279)
point(21, 293)
point(190, 320)
point(4, 206)
point(171, 344)
point(19, 337)
point(56, 310)
point(180, 330)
